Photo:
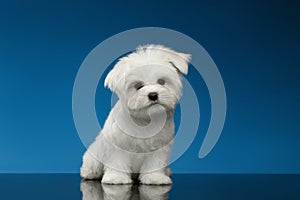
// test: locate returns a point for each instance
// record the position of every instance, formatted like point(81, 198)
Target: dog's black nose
point(153, 96)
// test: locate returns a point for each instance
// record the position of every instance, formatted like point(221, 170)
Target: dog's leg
point(112, 176)
point(153, 171)
point(155, 178)
point(91, 168)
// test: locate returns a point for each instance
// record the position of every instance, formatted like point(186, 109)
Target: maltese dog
point(137, 136)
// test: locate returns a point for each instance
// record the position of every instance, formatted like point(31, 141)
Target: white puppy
point(138, 134)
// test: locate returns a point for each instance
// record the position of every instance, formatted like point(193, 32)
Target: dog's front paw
point(155, 179)
point(116, 178)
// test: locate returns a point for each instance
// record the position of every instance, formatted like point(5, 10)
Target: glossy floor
point(187, 186)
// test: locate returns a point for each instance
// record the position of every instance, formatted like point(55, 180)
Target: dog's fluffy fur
point(137, 136)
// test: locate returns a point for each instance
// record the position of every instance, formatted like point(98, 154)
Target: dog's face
point(149, 76)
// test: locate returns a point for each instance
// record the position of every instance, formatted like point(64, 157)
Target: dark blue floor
point(191, 186)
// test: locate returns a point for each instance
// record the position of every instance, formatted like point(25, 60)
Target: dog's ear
point(114, 78)
point(180, 61)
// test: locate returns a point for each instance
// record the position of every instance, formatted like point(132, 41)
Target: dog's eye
point(138, 85)
point(161, 81)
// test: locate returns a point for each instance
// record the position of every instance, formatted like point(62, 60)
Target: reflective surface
point(92, 190)
point(185, 186)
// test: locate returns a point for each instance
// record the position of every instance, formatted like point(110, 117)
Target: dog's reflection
point(94, 190)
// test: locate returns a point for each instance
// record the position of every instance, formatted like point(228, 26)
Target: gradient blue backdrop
point(255, 44)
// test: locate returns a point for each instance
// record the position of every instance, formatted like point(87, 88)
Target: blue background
point(255, 45)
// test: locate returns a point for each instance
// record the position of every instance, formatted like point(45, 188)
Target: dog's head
point(151, 75)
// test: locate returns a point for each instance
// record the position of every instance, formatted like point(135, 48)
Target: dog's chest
point(143, 144)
